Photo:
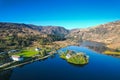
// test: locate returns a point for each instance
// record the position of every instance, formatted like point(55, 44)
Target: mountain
point(106, 33)
point(9, 29)
point(26, 29)
point(54, 30)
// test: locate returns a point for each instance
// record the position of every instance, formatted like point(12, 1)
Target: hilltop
point(27, 29)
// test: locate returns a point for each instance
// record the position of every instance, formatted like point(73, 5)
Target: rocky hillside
point(106, 33)
point(21, 30)
point(55, 30)
point(24, 29)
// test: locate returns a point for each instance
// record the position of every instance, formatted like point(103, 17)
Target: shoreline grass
point(111, 52)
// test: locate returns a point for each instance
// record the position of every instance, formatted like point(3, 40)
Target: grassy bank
point(16, 64)
point(111, 52)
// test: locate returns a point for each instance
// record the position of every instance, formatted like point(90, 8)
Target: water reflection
point(53, 56)
point(5, 75)
point(78, 65)
point(100, 67)
point(96, 46)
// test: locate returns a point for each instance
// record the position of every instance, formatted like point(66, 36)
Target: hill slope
point(106, 33)
point(31, 29)
point(14, 35)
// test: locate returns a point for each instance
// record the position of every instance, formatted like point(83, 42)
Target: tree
point(117, 50)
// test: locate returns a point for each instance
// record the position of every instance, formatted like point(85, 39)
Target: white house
point(68, 56)
point(17, 58)
point(37, 49)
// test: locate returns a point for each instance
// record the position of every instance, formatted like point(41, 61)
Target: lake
point(100, 67)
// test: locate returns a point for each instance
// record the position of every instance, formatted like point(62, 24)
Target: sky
point(67, 13)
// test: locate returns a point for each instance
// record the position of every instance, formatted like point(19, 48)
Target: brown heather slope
point(26, 29)
point(106, 33)
point(21, 30)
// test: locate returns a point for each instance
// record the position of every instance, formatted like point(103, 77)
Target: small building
point(17, 58)
point(80, 53)
point(37, 49)
point(68, 56)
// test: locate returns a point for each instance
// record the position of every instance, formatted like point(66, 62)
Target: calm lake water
point(100, 67)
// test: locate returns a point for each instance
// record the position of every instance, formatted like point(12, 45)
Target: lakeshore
point(30, 55)
point(22, 63)
point(58, 69)
point(29, 58)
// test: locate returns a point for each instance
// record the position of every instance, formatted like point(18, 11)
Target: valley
point(27, 37)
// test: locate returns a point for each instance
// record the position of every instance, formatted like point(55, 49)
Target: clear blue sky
point(67, 13)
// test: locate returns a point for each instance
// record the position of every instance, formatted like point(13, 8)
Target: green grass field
point(27, 53)
point(30, 52)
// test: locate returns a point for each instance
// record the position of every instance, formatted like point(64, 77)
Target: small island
point(75, 58)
